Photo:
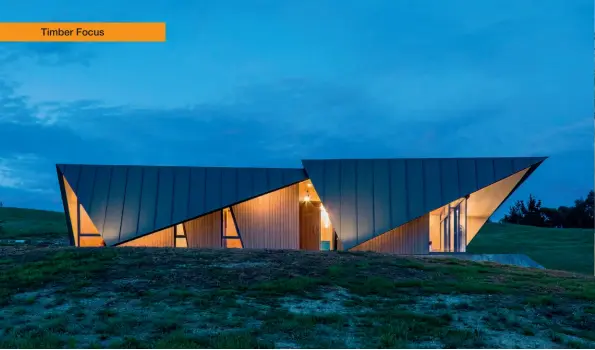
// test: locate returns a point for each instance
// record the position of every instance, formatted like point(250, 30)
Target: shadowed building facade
point(406, 206)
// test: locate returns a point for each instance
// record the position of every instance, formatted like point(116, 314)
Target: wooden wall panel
point(231, 238)
point(87, 226)
point(91, 241)
point(163, 238)
point(80, 221)
point(204, 231)
point(232, 243)
point(271, 220)
point(180, 239)
point(310, 225)
point(72, 202)
point(229, 226)
point(435, 233)
point(410, 238)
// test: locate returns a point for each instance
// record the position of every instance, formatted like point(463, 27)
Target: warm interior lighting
point(308, 192)
point(307, 197)
point(231, 237)
point(480, 205)
point(325, 218)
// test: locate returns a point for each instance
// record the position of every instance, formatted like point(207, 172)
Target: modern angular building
point(407, 206)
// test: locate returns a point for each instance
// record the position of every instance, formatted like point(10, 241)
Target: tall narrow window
point(180, 236)
point(231, 238)
point(453, 226)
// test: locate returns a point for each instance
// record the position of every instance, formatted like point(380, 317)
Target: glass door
point(462, 226)
point(445, 229)
point(453, 226)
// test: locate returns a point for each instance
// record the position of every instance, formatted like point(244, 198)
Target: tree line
point(579, 215)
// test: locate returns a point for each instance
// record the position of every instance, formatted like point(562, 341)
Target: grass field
point(56, 297)
point(187, 298)
point(560, 249)
point(17, 223)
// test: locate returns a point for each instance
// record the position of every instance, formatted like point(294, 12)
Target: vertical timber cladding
point(89, 235)
point(310, 225)
point(204, 231)
point(163, 238)
point(71, 206)
point(84, 232)
point(271, 220)
point(410, 238)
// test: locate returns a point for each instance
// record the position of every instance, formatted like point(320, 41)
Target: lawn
point(188, 298)
point(560, 249)
point(56, 297)
point(17, 223)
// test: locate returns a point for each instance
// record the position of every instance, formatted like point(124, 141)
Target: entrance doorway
point(316, 231)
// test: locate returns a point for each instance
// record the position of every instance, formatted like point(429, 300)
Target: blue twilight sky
point(267, 83)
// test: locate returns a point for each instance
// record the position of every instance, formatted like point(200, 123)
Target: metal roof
point(368, 197)
point(125, 202)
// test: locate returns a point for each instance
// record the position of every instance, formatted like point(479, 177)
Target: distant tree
point(515, 213)
point(580, 215)
point(526, 214)
point(555, 217)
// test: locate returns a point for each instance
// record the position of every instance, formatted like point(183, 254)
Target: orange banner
point(82, 32)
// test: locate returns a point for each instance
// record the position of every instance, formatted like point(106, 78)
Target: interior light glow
point(325, 219)
point(307, 197)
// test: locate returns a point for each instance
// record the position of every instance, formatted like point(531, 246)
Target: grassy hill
point(190, 298)
point(560, 249)
point(52, 297)
point(17, 223)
